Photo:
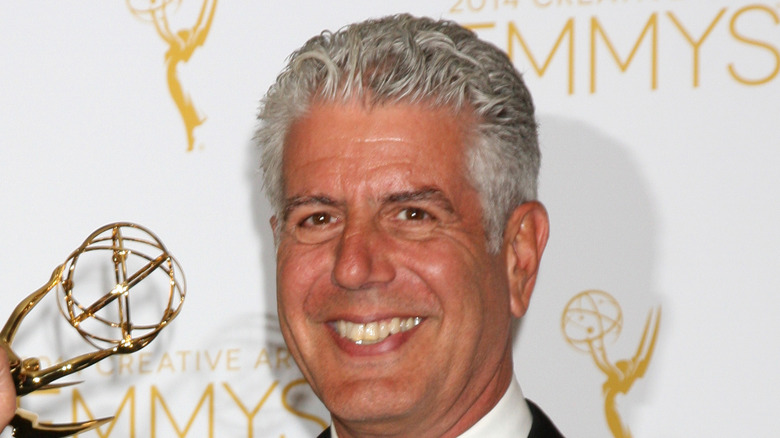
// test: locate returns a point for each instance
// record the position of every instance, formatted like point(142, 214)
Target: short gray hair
point(415, 60)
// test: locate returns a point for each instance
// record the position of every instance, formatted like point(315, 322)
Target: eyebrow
point(428, 193)
point(297, 201)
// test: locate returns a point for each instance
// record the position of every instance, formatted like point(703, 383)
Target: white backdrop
point(659, 127)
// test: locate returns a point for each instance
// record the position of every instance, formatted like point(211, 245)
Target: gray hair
point(415, 60)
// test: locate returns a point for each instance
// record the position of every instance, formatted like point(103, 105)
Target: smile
point(375, 331)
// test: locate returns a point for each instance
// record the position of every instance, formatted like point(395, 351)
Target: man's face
point(388, 297)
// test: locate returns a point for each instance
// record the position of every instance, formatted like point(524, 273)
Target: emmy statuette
point(136, 256)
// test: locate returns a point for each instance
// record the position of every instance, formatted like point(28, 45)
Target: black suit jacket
point(541, 426)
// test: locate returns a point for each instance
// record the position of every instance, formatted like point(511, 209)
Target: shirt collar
point(509, 418)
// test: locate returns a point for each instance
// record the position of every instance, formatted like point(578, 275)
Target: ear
point(525, 237)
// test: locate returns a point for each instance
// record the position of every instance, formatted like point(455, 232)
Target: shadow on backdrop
point(603, 238)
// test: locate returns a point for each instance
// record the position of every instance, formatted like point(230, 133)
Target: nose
point(362, 257)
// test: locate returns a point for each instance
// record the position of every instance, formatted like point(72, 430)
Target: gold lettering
point(479, 26)
point(129, 400)
point(207, 394)
point(568, 29)
point(754, 42)
point(282, 356)
point(250, 416)
point(596, 28)
point(696, 44)
point(262, 359)
point(457, 7)
point(166, 363)
point(143, 363)
point(478, 7)
point(297, 413)
point(213, 364)
point(232, 359)
point(183, 354)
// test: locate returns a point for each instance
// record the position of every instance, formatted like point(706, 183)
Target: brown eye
point(317, 227)
point(414, 214)
point(317, 219)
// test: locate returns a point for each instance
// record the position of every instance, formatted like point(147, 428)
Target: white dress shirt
point(509, 418)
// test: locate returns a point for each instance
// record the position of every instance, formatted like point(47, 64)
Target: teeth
point(375, 331)
point(371, 332)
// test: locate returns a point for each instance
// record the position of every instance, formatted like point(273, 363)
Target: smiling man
point(400, 157)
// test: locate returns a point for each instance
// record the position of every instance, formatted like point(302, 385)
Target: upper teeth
point(375, 331)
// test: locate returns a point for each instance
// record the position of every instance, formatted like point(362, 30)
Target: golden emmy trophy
point(133, 257)
point(181, 46)
point(589, 319)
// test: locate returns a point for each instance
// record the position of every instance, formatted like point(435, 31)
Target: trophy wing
point(26, 425)
point(640, 361)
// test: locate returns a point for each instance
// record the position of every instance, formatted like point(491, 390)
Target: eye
point(413, 223)
point(414, 214)
point(316, 227)
point(317, 219)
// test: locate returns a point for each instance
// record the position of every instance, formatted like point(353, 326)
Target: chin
point(371, 402)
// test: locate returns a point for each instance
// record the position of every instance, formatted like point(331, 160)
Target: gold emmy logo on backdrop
point(589, 319)
point(181, 46)
point(133, 254)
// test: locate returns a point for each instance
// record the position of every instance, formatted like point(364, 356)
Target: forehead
point(399, 144)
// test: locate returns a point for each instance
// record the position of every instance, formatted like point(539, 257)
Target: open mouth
point(375, 331)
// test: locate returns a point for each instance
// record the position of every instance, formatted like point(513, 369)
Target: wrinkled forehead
point(370, 123)
point(377, 120)
point(353, 142)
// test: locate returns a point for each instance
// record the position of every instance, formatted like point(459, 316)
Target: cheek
point(468, 282)
point(454, 275)
point(297, 270)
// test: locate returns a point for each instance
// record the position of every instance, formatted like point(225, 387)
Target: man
point(7, 391)
point(400, 157)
